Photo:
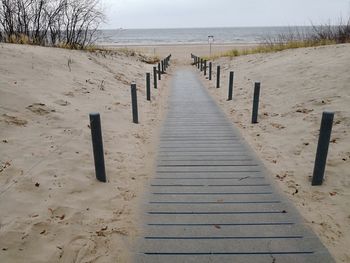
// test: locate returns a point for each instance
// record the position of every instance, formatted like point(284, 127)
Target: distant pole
point(205, 67)
point(159, 72)
point(322, 147)
point(210, 69)
point(210, 40)
point(230, 86)
point(256, 102)
point(135, 115)
point(155, 77)
point(97, 145)
point(218, 77)
point(148, 86)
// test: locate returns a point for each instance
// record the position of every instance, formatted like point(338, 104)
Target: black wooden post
point(256, 102)
point(155, 77)
point(210, 69)
point(322, 147)
point(159, 72)
point(148, 86)
point(218, 77)
point(97, 145)
point(230, 86)
point(135, 115)
point(201, 66)
point(205, 67)
point(162, 62)
point(198, 63)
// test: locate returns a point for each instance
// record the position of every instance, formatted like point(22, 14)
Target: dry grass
point(123, 51)
point(319, 36)
point(269, 48)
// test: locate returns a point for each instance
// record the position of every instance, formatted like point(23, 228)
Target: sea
point(224, 35)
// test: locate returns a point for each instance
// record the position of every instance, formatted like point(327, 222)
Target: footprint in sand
point(304, 110)
point(122, 79)
point(62, 102)
point(69, 94)
point(301, 109)
point(13, 120)
point(40, 108)
point(126, 194)
point(277, 125)
point(78, 250)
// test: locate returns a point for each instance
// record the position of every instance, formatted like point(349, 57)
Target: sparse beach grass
point(128, 52)
point(272, 47)
point(319, 36)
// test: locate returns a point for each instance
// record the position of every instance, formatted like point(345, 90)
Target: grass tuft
point(123, 51)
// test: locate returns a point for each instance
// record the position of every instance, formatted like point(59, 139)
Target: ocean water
point(235, 35)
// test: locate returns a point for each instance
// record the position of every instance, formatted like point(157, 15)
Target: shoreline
point(183, 51)
point(177, 44)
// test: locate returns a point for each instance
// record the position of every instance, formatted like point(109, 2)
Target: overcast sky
point(221, 13)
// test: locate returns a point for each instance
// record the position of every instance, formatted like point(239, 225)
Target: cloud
point(211, 13)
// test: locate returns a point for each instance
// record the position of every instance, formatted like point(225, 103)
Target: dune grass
point(270, 48)
point(319, 36)
point(128, 52)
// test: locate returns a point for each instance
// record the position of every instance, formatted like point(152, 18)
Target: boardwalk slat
point(210, 199)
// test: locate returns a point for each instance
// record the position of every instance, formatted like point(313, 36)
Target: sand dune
point(52, 207)
point(296, 86)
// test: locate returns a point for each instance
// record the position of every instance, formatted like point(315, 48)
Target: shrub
point(67, 23)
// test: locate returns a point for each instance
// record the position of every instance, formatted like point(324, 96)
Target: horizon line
point(212, 27)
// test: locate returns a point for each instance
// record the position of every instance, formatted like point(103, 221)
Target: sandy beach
point(52, 207)
point(54, 210)
point(181, 52)
point(296, 86)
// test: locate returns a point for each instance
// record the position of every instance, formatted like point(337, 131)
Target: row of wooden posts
point(326, 122)
point(203, 64)
point(95, 120)
point(157, 76)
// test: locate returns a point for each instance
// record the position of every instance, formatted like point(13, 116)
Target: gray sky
point(225, 13)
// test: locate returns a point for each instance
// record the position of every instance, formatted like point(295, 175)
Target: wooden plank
point(210, 200)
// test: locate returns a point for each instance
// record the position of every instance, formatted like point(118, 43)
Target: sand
point(296, 86)
point(181, 52)
point(52, 207)
point(54, 210)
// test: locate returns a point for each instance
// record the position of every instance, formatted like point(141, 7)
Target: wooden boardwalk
point(211, 200)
